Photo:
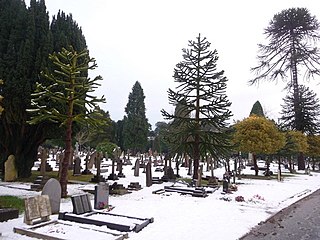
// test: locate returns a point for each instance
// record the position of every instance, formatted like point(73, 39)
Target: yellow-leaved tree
point(296, 143)
point(313, 149)
point(258, 135)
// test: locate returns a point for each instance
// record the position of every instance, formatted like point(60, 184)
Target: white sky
point(142, 40)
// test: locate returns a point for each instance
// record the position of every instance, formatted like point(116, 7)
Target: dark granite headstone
point(148, 175)
point(136, 168)
point(53, 189)
point(77, 166)
point(86, 203)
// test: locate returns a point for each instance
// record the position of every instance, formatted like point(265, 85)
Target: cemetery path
point(298, 221)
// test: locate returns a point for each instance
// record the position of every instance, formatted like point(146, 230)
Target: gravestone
point(10, 172)
point(37, 209)
point(120, 173)
point(101, 196)
point(86, 171)
point(77, 166)
point(92, 159)
point(98, 177)
point(136, 168)
point(148, 175)
point(112, 175)
point(53, 189)
point(81, 204)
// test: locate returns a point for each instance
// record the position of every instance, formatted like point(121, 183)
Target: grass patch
point(259, 177)
point(54, 174)
point(189, 180)
point(12, 202)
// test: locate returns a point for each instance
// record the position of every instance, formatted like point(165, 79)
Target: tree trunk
point(65, 161)
point(256, 168)
point(196, 157)
point(279, 168)
point(301, 162)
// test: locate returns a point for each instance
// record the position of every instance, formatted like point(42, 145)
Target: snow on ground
point(183, 216)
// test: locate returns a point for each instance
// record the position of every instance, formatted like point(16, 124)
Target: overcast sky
point(142, 40)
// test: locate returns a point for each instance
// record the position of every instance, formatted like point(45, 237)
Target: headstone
point(92, 160)
point(170, 173)
point(37, 209)
point(86, 171)
point(53, 189)
point(136, 168)
point(81, 204)
point(148, 175)
point(43, 157)
point(76, 149)
point(10, 172)
point(120, 173)
point(101, 196)
point(77, 166)
point(113, 176)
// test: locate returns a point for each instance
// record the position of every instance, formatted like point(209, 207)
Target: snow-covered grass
point(177, 216)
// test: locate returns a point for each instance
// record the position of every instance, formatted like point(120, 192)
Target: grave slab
point(59, 230)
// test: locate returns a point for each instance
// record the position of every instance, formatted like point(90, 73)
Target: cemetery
point(101, 207)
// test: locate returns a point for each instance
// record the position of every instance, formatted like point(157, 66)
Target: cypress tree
point(136, 126)
point(24, 42)
point(257, 109)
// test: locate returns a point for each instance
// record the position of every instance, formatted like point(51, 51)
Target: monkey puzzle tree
point(293, 34)
point(201, 96)
point(68, 88)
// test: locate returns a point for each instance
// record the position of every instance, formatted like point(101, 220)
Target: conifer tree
point(136, 126)
point(309, 111)
point(201, 95)
point(25, 43)
point(257, 109)
point(24, 49)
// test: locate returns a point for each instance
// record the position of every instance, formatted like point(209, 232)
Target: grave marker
point(148, 175)
point(77, 166)
point(37, 209)
point(10, 172)
point(81, 204)
point(136, 168)
point(53, 189)
point(101, 196)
